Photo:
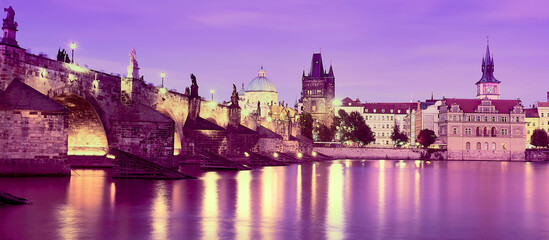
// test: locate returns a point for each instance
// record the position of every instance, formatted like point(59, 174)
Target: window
point(493, 132)
point(454, 118)
point(455, 130)
point(493, 146)
point(468, 146)
point(478, 118)
point(528, 131)
point(478, 145)
point(493, 119)
point(486, 119)
point(541, 114)
point(504, 119)
point(485, 146)
point(468, 131)
point(504, 131)
point(504, 146)
point(468, 118)
point(478, 131)
point(518, 119)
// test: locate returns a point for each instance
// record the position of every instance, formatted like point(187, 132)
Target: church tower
point(488, 85)
point(318, 91)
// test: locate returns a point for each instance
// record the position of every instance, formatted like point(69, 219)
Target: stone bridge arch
point(88, 124)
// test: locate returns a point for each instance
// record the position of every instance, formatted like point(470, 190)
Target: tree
point(539, 138)
point(325, 134)
point(398, 137)
point(426, 137)
point(354, 128)
point(306, 121)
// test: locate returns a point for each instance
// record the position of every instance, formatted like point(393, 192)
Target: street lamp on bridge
point(73, 46)
point(162, 75)
point(212, 92)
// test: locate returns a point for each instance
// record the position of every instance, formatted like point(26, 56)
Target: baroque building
point(483, 129)
point(318, 91)
point(260, 91)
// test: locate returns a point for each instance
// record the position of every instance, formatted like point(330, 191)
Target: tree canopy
point(539, 138)
point(325, 134)
point(353, 128)
point(398, 137)
point(426, 137)
point(306, 121)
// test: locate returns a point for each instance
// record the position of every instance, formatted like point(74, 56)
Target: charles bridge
point(99, 111)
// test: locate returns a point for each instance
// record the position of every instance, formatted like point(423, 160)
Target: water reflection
point(342, 199)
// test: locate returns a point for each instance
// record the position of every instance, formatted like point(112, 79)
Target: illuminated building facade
point(483, 129)
point(260, 89)
point(318, 91)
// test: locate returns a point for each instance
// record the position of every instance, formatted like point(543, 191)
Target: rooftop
point(20, 96)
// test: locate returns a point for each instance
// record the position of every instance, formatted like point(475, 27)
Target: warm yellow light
point(269, 119)
point(111, 156)
point(299, 155)
point(246, 154)
point(337, 102)
point(245, 112)
point(162, 90)
point(212, 91)
point(73, 45)
point(162, 75)
point(314, 154)
point(275, 154)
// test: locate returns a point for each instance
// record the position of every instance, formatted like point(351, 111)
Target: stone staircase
point(127, 165)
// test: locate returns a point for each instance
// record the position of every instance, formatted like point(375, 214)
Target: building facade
point(532, 122)
point(318, 91)
point(483, 129)
point(543, 112)
point(380, 117)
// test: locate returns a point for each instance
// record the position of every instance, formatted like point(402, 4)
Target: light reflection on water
point(342, 199)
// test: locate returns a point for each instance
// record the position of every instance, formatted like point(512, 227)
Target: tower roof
point(261, 83)
point(317, 68)
point(488, 68)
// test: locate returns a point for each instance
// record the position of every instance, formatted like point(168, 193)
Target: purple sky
point(381, 50)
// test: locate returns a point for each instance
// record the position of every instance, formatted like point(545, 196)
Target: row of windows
point(482, 132)
point(383, 110)
point(486, 146)
point(382, 134)
point(483, 119)
point(317, 92)
point(376, 117)
point(387, 126)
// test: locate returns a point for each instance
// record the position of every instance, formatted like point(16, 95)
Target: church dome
point(261, 83)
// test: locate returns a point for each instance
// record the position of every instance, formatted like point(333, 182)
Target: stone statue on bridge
point(10, 18)
point(234, 97)
point(133, 68)
point(9, 27)
point(194, 86)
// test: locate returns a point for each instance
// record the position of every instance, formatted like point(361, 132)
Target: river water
point(342, 199)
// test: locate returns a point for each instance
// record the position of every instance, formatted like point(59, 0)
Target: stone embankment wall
point(33, 143)
point(379, 153)
point(535, 155)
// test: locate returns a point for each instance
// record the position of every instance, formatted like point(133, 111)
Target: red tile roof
point(470, 105)
point(350, 102)
point(387, 107)
point(531, 112)
point(543, 104)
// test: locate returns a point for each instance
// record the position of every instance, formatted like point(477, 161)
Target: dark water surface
point(343, 199)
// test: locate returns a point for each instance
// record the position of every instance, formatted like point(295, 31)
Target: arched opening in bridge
point(87, 134)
